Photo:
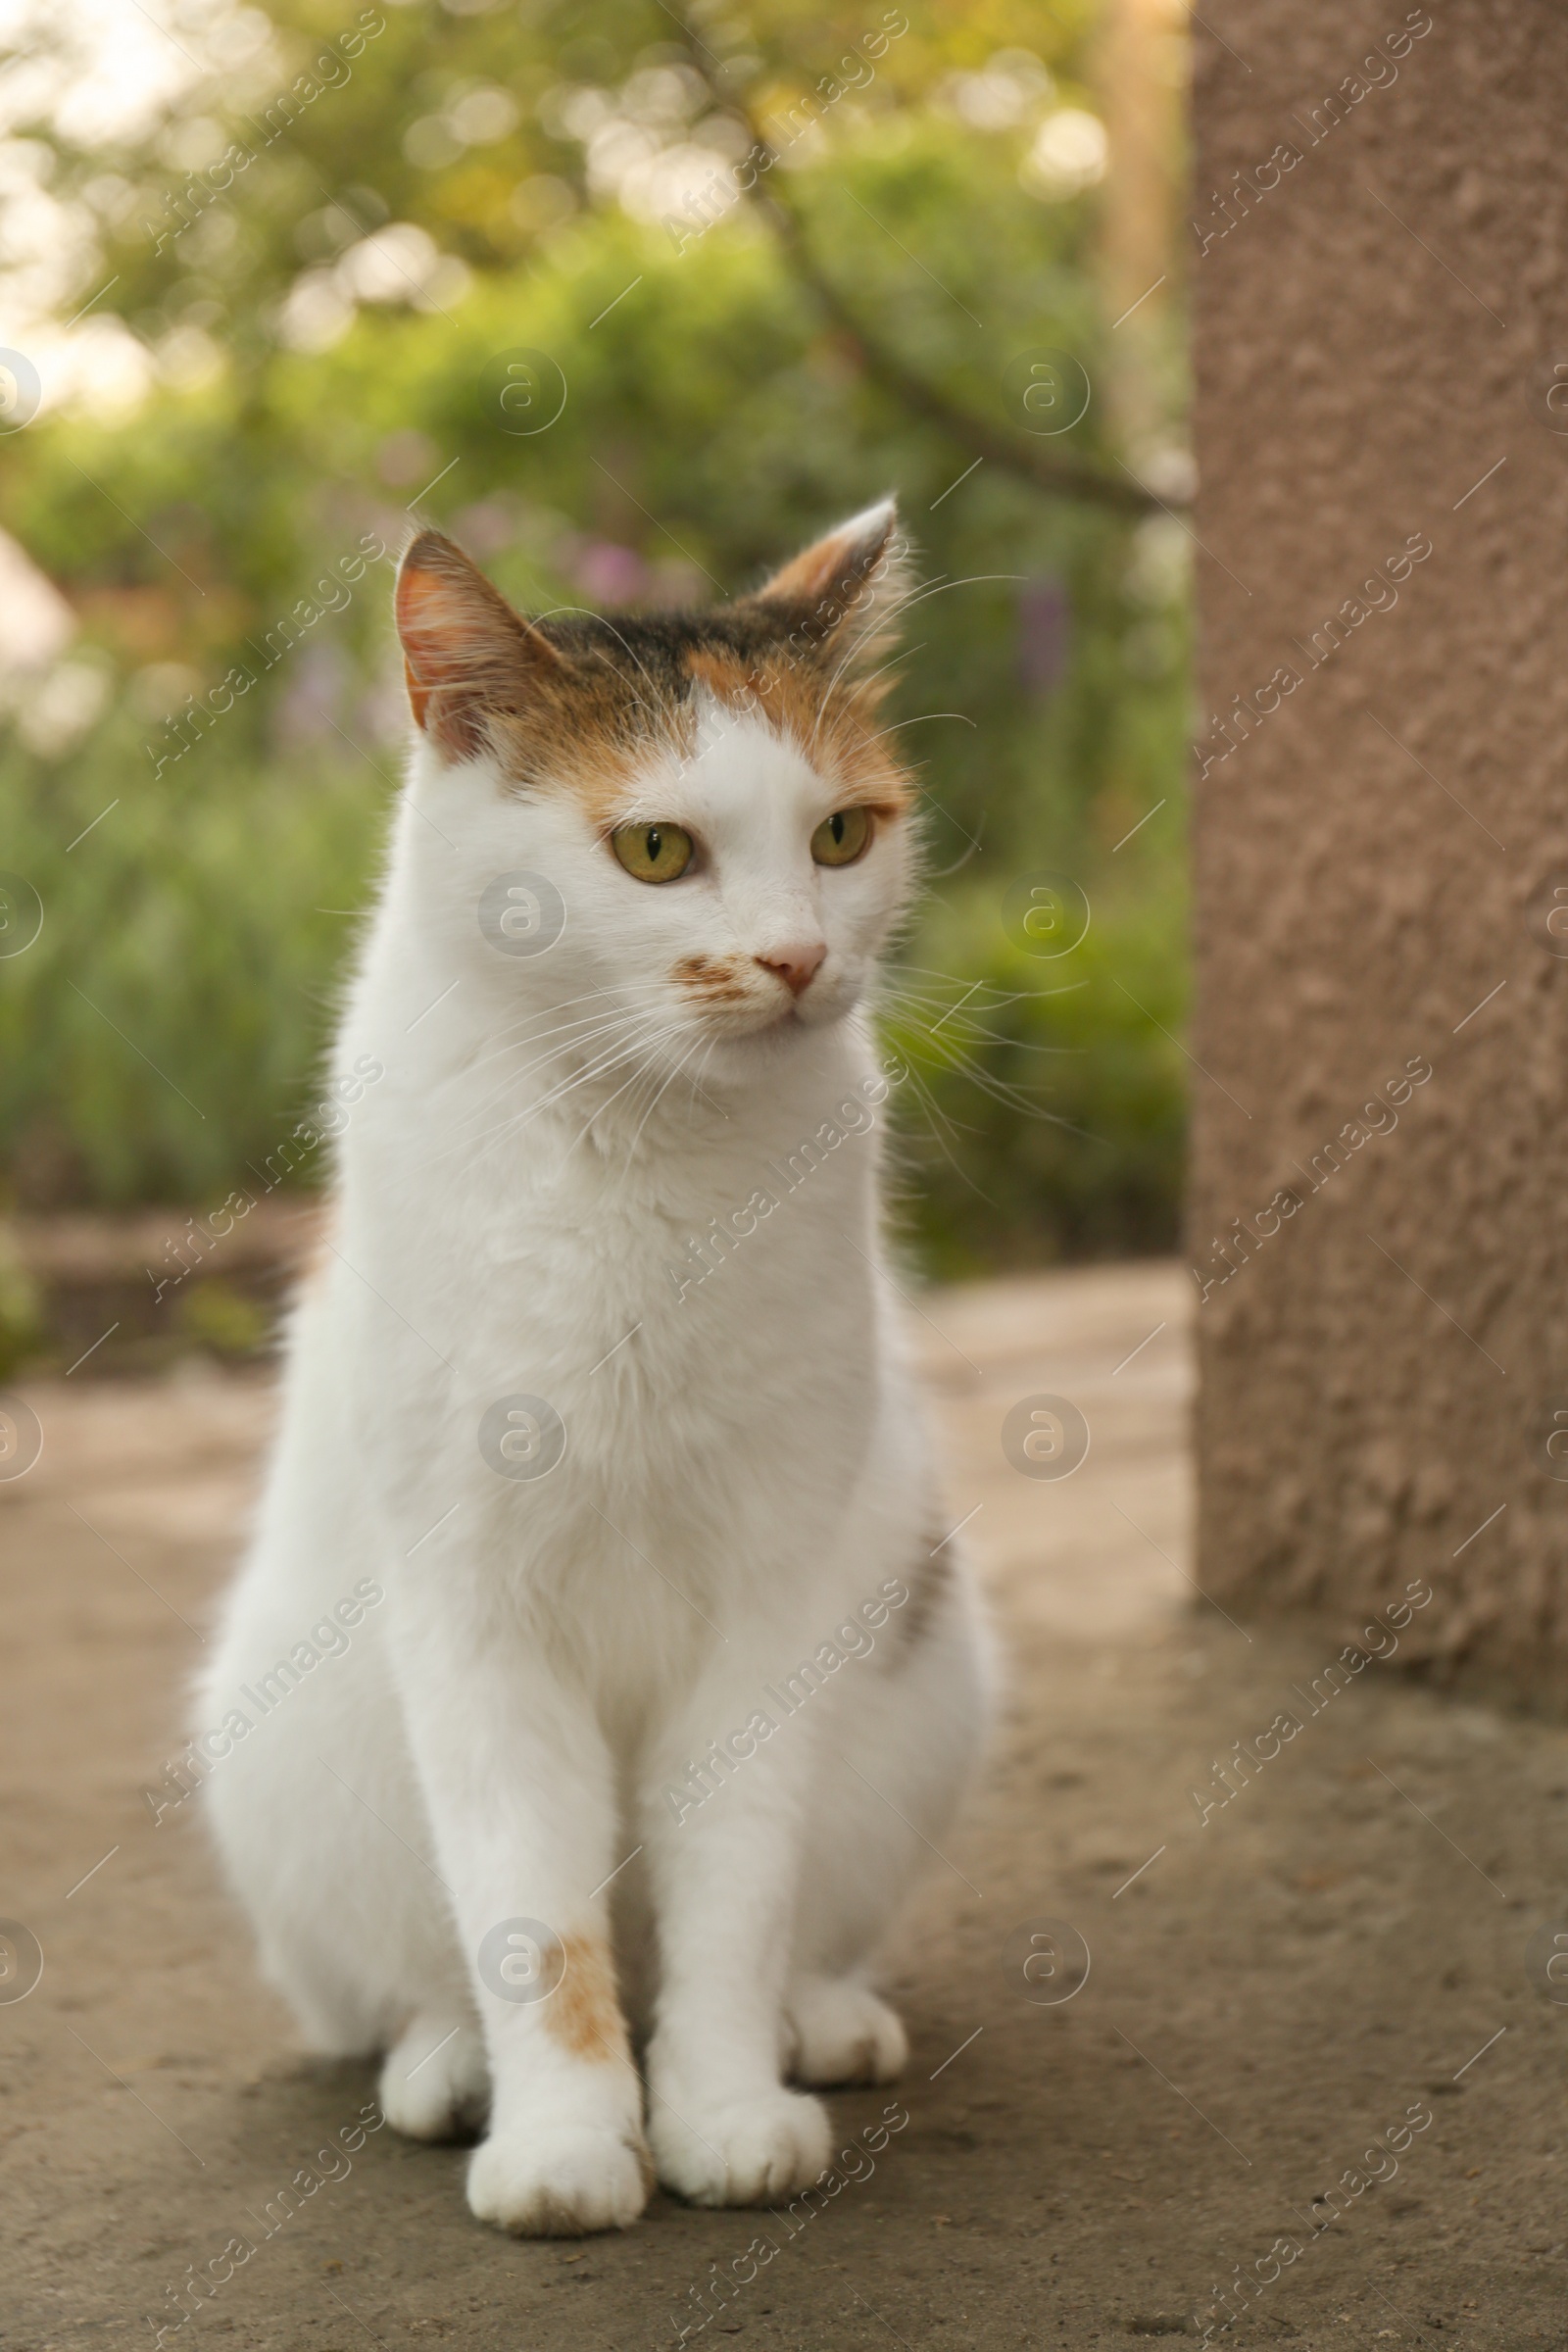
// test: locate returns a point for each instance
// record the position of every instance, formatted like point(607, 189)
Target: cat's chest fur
point(721, 1234)
point(701, 1314)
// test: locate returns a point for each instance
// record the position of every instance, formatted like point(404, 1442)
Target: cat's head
point(709, 795)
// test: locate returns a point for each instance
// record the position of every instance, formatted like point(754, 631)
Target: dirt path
point(1276, 1994)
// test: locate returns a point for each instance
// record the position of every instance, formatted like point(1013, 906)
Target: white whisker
point(658, 1098)
point(611, 1057)
point(636, 1078)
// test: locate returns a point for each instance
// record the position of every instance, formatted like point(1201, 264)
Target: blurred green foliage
point(165, 1028)
point(1045, 1109)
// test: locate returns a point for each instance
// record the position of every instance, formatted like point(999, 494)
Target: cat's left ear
point(466, 655)
point(843, 593)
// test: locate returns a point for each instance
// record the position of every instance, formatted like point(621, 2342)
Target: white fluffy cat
point(599, 1390)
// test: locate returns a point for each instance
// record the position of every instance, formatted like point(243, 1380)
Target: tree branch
point(1060, 473)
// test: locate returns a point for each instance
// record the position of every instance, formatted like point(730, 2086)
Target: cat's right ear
point(465, 654)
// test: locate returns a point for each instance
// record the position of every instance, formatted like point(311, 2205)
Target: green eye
point(839, 838)
point(652, 853)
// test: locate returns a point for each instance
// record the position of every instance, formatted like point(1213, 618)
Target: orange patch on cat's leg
point(583, 2013)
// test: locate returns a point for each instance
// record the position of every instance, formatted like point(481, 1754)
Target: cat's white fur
point(744, 1474)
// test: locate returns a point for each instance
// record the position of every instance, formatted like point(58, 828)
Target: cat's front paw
point(560, 2180)
point(752, 2151)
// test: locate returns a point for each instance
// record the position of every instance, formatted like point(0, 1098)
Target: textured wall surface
point(1380, 255)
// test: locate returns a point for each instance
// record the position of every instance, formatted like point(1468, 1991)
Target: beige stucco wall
point(1376, 843)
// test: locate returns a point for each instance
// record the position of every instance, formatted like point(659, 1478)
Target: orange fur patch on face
point(829, 721)
point(711, 979)
point(583, 2013)
point(575, 738)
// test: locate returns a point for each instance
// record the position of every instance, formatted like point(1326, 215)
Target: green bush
point(164, 1029)
point(1045, 1112)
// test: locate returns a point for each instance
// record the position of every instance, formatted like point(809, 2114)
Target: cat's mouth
point(779, 1029)
point(790, 1012)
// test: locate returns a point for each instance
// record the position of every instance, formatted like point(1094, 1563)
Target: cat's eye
point(652, 853)
point(839, 838)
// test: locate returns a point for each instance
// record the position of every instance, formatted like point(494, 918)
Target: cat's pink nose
point(797, 967)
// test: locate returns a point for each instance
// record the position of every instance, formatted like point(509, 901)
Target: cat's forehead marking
point(636, 688)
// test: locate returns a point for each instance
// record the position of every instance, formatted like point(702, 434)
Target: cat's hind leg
point(842, 2031)
point(896, 1753)
point(337, 2014)
point(435, 2084)
point(318, 1823)
point(346, 1927)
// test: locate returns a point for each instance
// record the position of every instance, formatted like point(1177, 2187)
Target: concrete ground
point(1333, 1981)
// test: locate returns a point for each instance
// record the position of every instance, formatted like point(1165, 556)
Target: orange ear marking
point(832, 575)
point(467, 656)
point(418, 696)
